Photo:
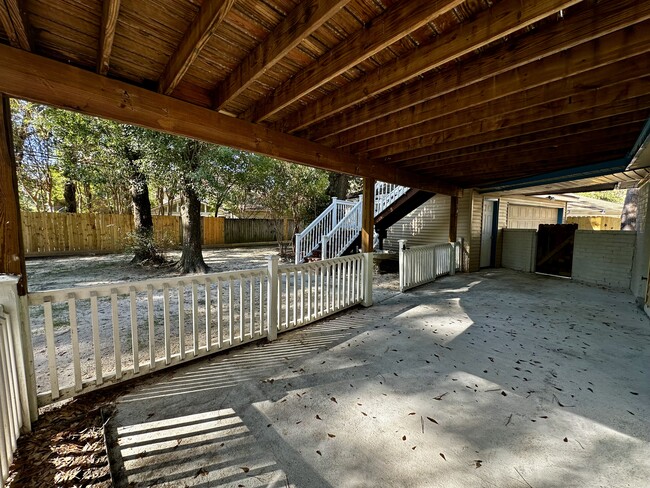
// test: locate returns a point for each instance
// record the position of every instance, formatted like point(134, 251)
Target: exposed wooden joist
point(43, 80)
point(500, 20)
point(211, 14)
point(12, 251)
point(564, 72)
point(396, 22)
point(14, 24)
point(534, 148)
point(301, 22)
point(584, 100)
point(534, 104)
point(110, 13)
point(456, 138)
point(551, 134)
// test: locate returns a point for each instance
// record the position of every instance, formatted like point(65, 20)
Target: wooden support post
point(368, 215)
point(12, 252)
point(453, 220)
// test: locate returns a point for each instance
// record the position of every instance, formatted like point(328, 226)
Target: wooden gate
point(555, 249)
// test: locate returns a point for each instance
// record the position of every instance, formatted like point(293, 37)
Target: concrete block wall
point(519, 249)
point(604, 258)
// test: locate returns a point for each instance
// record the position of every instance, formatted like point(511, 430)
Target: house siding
point(427, 224)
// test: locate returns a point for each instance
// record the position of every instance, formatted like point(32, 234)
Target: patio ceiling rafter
point(46, 81)
point(301, 22)
point(14, 25)
point(597, 63)
point(211, 14)
point(397, 22)
point(491, 25)
point(110, 13)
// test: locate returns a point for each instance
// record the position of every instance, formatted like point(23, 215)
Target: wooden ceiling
point(437, 94)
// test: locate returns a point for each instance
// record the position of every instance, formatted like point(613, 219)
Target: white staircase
point(340, 223)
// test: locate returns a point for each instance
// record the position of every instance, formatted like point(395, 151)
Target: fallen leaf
point(413, 448)
point(333, 399)
point(432, 420)
point(201, 472)
point(331, 435)
point(364, 414)
point(318, 417)
point(504, 393)
point(403, 438)
point(412, 413)
point(478, 463)
point(565, 439)
point(244, 469)
point(319, 453)
point(439, 397)
point(443, 456)
point(634, 393)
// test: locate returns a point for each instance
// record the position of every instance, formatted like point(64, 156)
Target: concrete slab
point(495, 378)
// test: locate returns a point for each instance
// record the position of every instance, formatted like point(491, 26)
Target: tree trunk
point(191, 260)
point(628, 217)
point(70, 196)
point(145, 251)
point(338, 185)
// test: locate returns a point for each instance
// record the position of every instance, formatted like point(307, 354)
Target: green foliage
point(615, 196)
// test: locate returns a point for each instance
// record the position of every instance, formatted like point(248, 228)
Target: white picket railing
point(310, 238)
point(423, 264)
point(94, 336)
point(11, 415)
point(340, 223)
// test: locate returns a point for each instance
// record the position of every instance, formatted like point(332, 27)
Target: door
point(555, 249)
point(487, 234)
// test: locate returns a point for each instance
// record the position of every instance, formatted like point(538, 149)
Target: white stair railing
point(310, 238)
point(336, 228)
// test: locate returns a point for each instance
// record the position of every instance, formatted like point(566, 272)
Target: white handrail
point(336, 241)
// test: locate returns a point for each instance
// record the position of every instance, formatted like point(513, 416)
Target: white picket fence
point(423, 264)
point(91, 337)
point(11, 411)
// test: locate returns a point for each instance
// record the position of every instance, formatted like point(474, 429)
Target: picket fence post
point(367, 279)
point(272, 297)
point(452, 258)
point(402, 247)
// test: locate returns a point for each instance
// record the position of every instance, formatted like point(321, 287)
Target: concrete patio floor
point(494, 378)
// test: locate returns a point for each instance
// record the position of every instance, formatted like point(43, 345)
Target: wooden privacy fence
point(596, 223)
point(49, 233)
point(423, 264)
point(101, 335)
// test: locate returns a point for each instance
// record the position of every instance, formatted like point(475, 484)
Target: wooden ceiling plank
point(500, 20)
point(211, 14)
point(27, 76)
point(301, 22)
point(534, 101)
point(396, 22)
point(14, 24)
point(585, 100)
point(568, 70)
point(598, 21)
point(457, 138)
point(110, 13)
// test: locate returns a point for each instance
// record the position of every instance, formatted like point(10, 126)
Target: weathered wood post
point(453, 220)
point(367, 234)
point(272, 297)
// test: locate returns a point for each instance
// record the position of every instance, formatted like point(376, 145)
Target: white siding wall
point(427, 224)
point(519, 248)
point(604, 258)
point(642, 254)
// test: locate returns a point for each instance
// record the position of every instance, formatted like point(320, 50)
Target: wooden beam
point(12, 251)
point(396, 22)
point(13, 22)
point(500, 20)
point(301, 22)
point(43, 80)
point(455, 139)
point(197, 35)
point(453, 219)
point(110, 13)
point(507, 112)
point(498, 155)
point(555, 132)
point(368, 215)
point(588, 64)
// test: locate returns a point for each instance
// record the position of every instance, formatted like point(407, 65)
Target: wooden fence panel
point(50, 234)
point(596, 223)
